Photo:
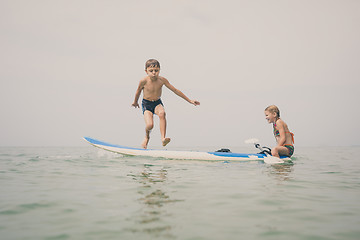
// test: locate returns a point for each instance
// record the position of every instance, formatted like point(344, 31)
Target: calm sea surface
point(86, 193)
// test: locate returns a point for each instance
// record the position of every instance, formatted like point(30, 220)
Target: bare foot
point(145, 142)
point(166, 141)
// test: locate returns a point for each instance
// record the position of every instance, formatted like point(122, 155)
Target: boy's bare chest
point(153, 86)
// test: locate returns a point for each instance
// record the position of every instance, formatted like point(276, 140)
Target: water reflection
point(282, 171)
point(153, 215)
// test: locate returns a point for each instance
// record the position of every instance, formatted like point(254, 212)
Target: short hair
point(273, 109)
point(152, 63)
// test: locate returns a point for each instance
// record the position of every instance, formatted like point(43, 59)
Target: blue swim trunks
point(150, 105)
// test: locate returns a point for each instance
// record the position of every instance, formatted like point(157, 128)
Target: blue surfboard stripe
point(94, 141)
point(242, 155)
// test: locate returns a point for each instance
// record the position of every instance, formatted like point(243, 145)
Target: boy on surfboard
point(284, 138)
point(151, 85)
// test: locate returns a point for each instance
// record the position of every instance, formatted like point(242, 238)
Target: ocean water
point(87, 193)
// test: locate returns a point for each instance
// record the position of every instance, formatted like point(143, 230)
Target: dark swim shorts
point(150, 105)
point(291, 149)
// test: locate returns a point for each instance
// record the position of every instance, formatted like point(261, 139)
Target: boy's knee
point(149, 126)
point(161, 114)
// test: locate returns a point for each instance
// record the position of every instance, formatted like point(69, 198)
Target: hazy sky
point(70, 68)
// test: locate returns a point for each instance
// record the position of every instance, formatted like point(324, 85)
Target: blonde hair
point(273, 109)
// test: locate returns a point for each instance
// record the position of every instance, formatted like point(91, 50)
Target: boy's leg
point(149, 124)
point(160, 111)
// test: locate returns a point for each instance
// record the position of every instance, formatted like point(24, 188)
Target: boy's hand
point(195, 102)
point(135, 105)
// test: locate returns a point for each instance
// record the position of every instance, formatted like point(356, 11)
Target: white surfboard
point(194, 155)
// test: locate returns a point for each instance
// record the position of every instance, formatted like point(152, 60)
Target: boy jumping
point(151, 85)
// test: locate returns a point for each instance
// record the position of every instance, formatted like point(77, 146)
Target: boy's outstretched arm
point(137, 94)
point(179, 93)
